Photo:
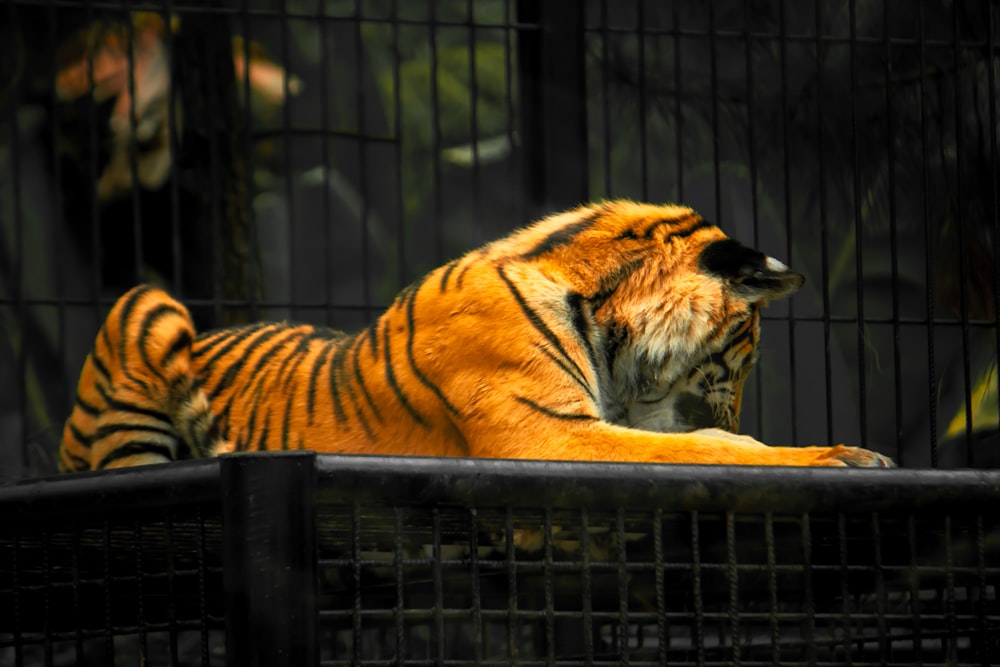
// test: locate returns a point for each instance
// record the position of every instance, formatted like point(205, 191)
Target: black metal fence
point(303, 559)
point(307, 158)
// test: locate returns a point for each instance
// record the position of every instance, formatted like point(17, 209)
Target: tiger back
point(616, 331)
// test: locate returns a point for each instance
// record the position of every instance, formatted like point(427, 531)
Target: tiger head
point(676, 305)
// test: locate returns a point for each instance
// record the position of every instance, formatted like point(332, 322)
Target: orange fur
point(610, 332)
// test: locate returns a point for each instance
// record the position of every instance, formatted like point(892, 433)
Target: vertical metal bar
point(994, 175)
point(15, 580)
point(963, 271)
point(586, 603)
point(807, 590)
point(17, 252)
point(549, 591)
point(254, 280)
point(713, 65)
point(46, 601)
point(858, 235)
point(929, 242)
point(323, 26)
point(553, 113)
point(140, 616)
point(173, 148)
point(787, 172)
point(437, 181)
point(748, 12)
point(982, 652)
point(400, 601)
point(732, 573)
point(473, 113)
point(698, 635)
point(133, 148)
point(269, 533)
point(512, 36)
point(356, 638)
point(772, 589)
point(477, 599)
point(606, 102)
point(880, 595)
point(623, 626)
point(949, 592)
point(77, 598)
point(168, 524)
point(643, 103)
point(824, 228)
point(513, 644)
point(845, 586)
point(893, 237)
point(678, 107)
point(109, 630)
point(405, 276)
point(202, 588)
point(437, 634)
point(662, 622)
point(361, 107)
point(288, 148)
point(59, 241)
point(914, 580)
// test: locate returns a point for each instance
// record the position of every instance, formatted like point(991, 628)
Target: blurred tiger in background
point(617, 331)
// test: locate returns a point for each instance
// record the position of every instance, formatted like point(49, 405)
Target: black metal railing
point(275, 559)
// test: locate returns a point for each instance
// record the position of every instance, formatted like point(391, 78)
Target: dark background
point(854, 139)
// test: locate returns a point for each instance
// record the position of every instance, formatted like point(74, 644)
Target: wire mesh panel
point(436, 561)
point(100, 571)
point(505, 563)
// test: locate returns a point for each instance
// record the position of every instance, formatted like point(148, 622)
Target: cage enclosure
point(306, 159)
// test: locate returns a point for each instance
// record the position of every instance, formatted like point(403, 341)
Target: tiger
point(616, 331)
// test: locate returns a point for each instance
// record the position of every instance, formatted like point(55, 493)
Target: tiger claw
point(855, 457)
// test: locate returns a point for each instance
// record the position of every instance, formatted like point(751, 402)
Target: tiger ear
point(751, 273)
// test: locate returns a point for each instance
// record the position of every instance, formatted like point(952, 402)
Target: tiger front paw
point(853, 457)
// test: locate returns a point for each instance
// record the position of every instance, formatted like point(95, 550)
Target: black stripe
point(145, 331)
point(84, 439)
point(333, 368)
point(411, 298)
point(182, 342)
point(133, 449)
point(125, 317)
point(75, 462)
point(566, 416)
point(227, 339)
point(264, 432)
point(289, 368)
point(581, 323)
point(99, 363)
point(236, 366)
point(391, 378)
point(540, 325)
point(561, 237)
point(360, 379)
point(86, 407)
point(581, 382)
point(124, 406)
point(321, 361)
point(285, 421)
point(107, 429)
point(701, 224)
point(451, 266)
point(373, 339)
